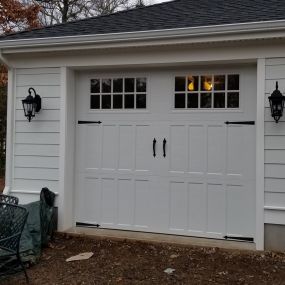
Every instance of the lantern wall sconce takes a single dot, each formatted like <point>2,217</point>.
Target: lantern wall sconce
<point>276,101</point>
<point>32,105</point>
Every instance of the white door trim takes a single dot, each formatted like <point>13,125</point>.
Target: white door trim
<point>10,130</point>
<point>260,154</point>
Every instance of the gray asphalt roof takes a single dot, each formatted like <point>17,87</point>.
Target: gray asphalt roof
<point>168,15</point>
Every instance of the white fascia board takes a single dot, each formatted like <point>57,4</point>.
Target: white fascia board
<point>225,31</point>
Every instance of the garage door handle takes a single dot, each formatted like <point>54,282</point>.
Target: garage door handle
<point>164,147</point>
<point>154,147</point>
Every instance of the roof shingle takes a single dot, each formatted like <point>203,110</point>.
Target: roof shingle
<point>168,15</point>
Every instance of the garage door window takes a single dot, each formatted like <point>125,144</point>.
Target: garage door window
<point>207,92</point>
<point>118,93</point>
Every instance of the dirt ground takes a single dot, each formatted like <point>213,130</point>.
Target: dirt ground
<point>132,262</point>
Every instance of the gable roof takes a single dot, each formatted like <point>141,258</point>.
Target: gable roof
<point>168,15</point>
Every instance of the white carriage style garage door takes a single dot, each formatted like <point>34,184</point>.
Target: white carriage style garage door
<point>163,159</point>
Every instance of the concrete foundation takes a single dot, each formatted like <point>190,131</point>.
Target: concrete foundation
<point>161,238</point>
<point>274,237</point>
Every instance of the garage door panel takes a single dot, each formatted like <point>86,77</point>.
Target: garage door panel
<point>178,148</point>
<point>197,207</point>
<point>178,206</point>
<point>109,202</point>
<point>143,148</point>
<point>110,147</point>
<point>216,149</point>
<point>197,149</point>
<point>126,202</point>
<point>126,147</point>
<point>216,209</point>
<point>240,206</point>
<point>143,216</point>
<point>93,149</point>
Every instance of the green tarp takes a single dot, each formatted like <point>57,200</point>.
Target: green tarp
<point>39,228</point>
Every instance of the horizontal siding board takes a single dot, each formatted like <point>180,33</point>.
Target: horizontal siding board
<point>274,217</point>
<point>271,128</point>
<point>38,150</point>
<point>275,72</point>
<point>32,71</point>
<point>275,199</point>
<point>275,61</point>
<point>37,126</point>
<point>274,142</point>
<point>47,104</point>
<point>44,91</point>
<point>36,161</point>
<point>37,138</point>
<point>43,115</point>
<point>36,173</point>
<point>37,80</point>
<point>275,156</point>
<point>35,184</point>
<point>274,185</point>
<point>274,171</point>
<point>270,85</point>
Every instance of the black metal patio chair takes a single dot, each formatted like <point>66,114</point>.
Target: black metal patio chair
<point>12,222</point>
<point>9,199</point>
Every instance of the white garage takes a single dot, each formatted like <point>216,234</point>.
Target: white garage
<point>163,159</point>
<point>155,120</point>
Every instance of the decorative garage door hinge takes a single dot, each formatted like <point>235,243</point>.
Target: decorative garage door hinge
<point>87,225</point>
<point>249,239</point>
<point>240,123</point>
<point>89,122</point>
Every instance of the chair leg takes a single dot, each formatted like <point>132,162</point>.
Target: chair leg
<point>23,267</point>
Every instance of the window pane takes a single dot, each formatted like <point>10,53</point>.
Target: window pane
<point>95,101</point>
<point>180,83</point>
<point>129,101</point>
<point>219,100</point>
<point>206,83</point>
<point>192,84</point>
<point>233,82</point>
<point>206,100</point>
<point>117,101</point>
<point>219,82</point>
<point>118,85</point>
<point>141,101</point>
<point>106,101</point>
<point>95,85</point>
<point>233,100</point>
<point>141,84</point>
<point>106,85</point>
<point>129,84</point>
<point>192,100</point>
<point>179,100</point>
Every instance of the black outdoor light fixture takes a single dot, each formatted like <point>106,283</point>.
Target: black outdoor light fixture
<point>32,104</point>
<point>276,101</point>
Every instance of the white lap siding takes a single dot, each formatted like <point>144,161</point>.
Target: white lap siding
<point>36,144</point>
<point>274,148</point>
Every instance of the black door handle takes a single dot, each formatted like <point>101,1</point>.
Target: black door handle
<point>164,146</point>
<point>154,147</point>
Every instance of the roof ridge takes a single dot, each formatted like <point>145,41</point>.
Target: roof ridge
<point>89,18</point>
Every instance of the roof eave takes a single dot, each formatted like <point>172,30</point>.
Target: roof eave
<point>243,31</point>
